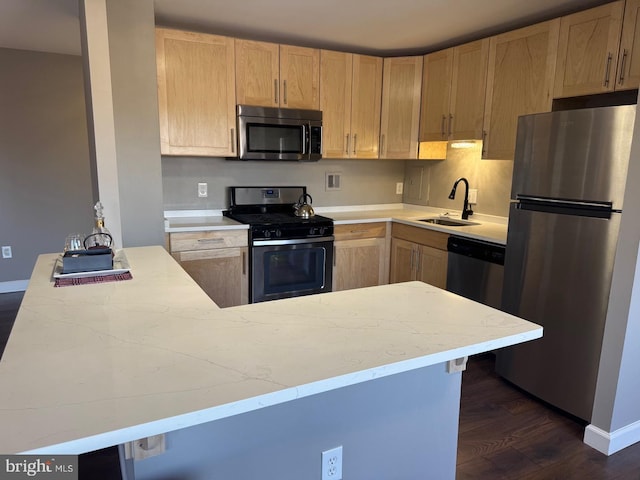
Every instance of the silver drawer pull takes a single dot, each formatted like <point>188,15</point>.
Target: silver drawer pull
<point>210,240</point>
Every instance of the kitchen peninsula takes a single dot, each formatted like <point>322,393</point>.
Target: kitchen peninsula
<point>91,366</point>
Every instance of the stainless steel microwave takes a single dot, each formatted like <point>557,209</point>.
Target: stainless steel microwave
<point>279,134</point>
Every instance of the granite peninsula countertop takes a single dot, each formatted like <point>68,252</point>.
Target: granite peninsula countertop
<point>90,366</point>
<point>491,228</point>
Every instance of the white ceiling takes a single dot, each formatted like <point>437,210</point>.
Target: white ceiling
<point>384,27</point>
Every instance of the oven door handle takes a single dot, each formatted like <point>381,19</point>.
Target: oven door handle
<point>297,241</point>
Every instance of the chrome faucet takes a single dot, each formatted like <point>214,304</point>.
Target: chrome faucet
<point>466,211</point>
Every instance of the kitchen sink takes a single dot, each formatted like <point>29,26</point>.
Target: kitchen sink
<point>449,222</point>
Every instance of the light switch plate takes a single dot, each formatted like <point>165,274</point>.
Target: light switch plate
<point>202,190</point>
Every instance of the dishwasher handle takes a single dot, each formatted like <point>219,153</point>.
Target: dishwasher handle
<point>486,251</point>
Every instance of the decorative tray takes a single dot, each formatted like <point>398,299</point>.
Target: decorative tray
<point>120,265</point>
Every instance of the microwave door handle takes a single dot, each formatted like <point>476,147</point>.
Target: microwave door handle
<point>306,139</point>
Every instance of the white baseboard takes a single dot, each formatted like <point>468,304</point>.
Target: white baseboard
<point>612,442</point>
<point>14,286</point>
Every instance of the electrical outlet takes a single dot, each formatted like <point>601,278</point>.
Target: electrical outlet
<point>332,181</point>
<point>473,196</point>
<point>202,190</point>
<point>332,464</point>
<point>399,188</point>
<point>6,252</point>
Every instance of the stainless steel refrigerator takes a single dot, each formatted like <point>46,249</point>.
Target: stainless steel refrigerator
<point>569,175</point>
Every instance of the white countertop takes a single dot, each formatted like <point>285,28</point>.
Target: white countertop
<point>90,366</point>
<point>490,228</point>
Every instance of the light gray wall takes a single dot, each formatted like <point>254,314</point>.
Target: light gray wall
<point>364,182</point>
<point>135,103</point>
<point>403,426</point>
<point>131,49</point>
<point>45,186</point>
<point>492,178</point>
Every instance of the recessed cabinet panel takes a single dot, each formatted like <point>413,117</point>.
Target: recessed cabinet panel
<point>336,74</point>
<point>628,77</point>
<point>257,73</point>
<point>366,98</point>
<point>196,93</point>
<point>519,82</point>
<point>588,51</point>
<point>400,117</point>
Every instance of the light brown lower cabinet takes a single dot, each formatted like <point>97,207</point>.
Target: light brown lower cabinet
<point>217,261</point>
<point>418,254</point>
<point>360,256</point>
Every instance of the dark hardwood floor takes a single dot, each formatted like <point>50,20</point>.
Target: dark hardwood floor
<point>505,434</point>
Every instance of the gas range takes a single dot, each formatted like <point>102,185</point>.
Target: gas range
<point>269,212</point>
<point>289,256</point>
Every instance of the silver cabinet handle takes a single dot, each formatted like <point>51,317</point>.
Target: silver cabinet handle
<point>210,240</point>
<point>484,143</point>
<point>244,262</point>
<point>284,94</point>
<point>346,150</point>
<point>233,140</point>
<point>450,126</point>
<point>382,151</point>
<point>275,90</point>
<point>607,71</point>
<point>355,139</point>
<point>444,119</point>
<point>622,66</point>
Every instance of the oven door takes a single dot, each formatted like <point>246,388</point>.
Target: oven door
<point>290,268</point>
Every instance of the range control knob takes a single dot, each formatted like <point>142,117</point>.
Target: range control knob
<point>322,230</point>
<point>267,234</point>
<point>278,233</point>
<point>312,231</point>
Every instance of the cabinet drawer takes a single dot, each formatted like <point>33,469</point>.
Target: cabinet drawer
<point>422,236</point>
<point>360,230</point>
<point>184,241</point>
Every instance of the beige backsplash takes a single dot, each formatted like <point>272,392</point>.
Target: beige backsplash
<point>492,178</point>
<point>364,182</point>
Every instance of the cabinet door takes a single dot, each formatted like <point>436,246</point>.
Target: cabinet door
<point>221,273</point>
<point>196,93</point>
<point>335,102</point>
<point>366,101</point>
<point>588,51</point>
<point>400,117</point>
<point>436,89</point>
<point>432,266</point>
<point>519,81</point>
<point>359,263</point>
<point>257,73</point>
<point>629,56</point>
<point>468,90</point>
<point>403,255</point>
<point>299,77</point>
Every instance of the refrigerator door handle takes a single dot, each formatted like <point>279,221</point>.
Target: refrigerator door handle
<point>568,207</point>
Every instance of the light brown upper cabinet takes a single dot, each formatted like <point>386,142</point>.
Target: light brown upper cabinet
<point>350,99</point>
<point>588,51</point>
<point>400,117</point>
<point>196,93</point>
<point>272,75</point>
<point>520,81</point>
<point>454,85</point>
<point>628,76</point>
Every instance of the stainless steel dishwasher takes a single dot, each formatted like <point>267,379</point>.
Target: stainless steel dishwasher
<point>475,270</point>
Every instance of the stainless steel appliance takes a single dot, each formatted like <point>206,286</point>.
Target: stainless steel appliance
<point>475,270</point>
<point>289,255</point>
<point>568,185</point>
<point>279,134</point>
